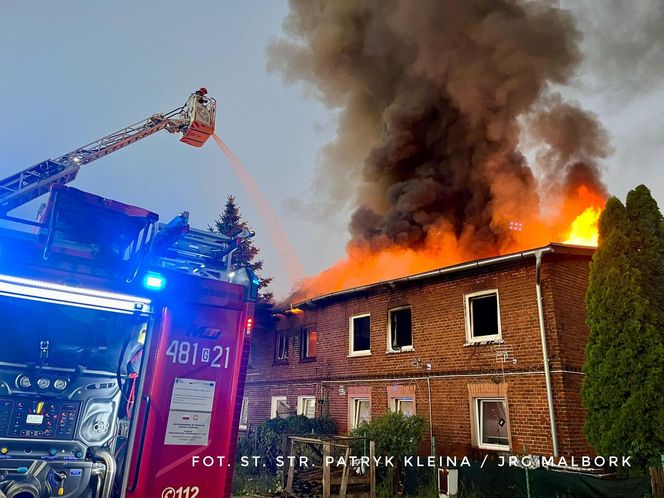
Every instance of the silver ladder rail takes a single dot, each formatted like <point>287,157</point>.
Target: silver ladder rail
<point>32,182</point>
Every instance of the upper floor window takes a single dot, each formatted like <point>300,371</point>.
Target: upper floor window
<point>360,335</point>
<point>281,346</point>
<point>400,329</point>
<point>491,423</point>
<point>308,343</point>
<point>482,316</point>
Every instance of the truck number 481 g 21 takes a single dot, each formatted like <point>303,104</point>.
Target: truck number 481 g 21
<point>191,353</point>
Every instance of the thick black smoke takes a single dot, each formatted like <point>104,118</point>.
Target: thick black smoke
<point>432,94</point>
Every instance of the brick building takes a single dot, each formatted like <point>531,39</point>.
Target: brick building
<point>462,346</point>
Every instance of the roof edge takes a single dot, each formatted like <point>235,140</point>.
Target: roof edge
<point>553,247</point>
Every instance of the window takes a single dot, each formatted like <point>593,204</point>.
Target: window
<point>360,335</point>
<point>306,405</point>
<point>492,427</point>
<point>308,343</point>
<point>244,414</point>
<point>405,406</point>
<point>360,411</point>
<point>482,316</point>
<point>400,330</point>
<point>279,407</point>
<point>281,346</point>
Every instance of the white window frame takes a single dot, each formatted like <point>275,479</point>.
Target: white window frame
<point>351,336</point>
<point>394,402</point>
<point>478,425</point>
<point>301,402</point>
<point>405,349</point>
<point>281,334</point>
<point>244,413</point>
<point>274,404</point>
<point>469,325</point>
<point>353,410</point>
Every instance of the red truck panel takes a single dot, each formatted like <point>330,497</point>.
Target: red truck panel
<point>190,407</point>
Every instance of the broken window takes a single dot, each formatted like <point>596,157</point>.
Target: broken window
<point>308,342</point>
<point>482,316</point>
<point>306,405</point>
<point>281,346</point>
<point>492,424</point>
<point>401,330</point>
<point>360,411</point>
<point>360,335</point>
<point>280,407</point>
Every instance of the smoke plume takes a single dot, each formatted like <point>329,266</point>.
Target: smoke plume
<point>433,96</point>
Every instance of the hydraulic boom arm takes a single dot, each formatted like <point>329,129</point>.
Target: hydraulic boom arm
<point>195,121</point>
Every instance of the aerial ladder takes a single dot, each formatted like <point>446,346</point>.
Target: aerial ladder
<point>194,121</point>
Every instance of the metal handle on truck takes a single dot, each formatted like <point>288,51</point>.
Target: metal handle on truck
<point>141,443</point>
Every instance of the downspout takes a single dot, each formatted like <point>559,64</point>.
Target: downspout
<point>545,354</point>
<point>433,441</point>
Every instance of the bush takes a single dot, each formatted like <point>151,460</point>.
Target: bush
<point>267,442</point>
<point>396,436</point>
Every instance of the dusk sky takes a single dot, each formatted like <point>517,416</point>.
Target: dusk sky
<point>73,71</point>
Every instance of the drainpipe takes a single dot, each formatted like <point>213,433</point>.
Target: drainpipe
<point>433,441</point>
<point>545,354</point>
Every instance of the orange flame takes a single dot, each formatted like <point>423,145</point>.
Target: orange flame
<point>584,230</point>
<point>575,222</point>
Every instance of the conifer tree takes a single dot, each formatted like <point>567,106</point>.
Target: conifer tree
<point>623,388</point>
<point>229,223</point>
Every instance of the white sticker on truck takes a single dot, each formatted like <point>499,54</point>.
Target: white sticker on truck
<point>188,428</point>
<point>190,412</point>
<point>193,395</point>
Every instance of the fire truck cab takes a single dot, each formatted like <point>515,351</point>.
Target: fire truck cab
<point>123,346</point>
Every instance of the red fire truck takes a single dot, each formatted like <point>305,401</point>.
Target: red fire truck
<point>123,341</point>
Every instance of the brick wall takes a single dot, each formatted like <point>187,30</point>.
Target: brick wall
<point>514,365</point>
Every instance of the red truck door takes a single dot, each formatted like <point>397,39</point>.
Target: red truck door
<point>186,428</point>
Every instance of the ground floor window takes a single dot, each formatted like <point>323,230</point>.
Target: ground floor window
<point>244,414</point>
<point>492,426</point>
<point>405,406</point>
<point>279,407</point>
<point>306,405</point>
<point>360,411</point>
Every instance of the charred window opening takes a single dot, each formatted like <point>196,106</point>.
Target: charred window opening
<point>483,316</point>
<point>308,343</point>
<point>360,334</point>
<point>401,329</point>
<point>281,346</point>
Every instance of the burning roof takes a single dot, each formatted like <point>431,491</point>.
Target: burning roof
<point>570,249</point>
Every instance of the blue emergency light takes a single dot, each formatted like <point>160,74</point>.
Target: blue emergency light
<point>154,281</point>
